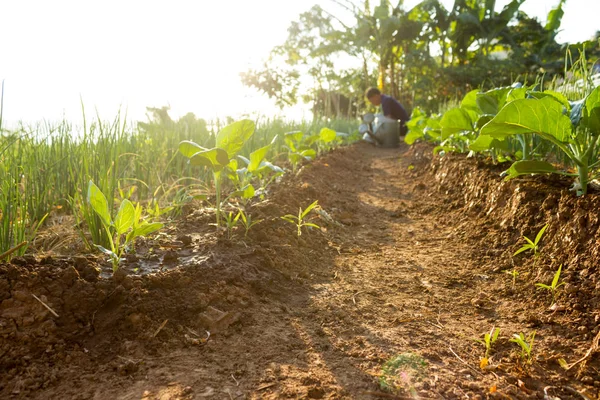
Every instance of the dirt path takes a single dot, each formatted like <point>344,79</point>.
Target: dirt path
<point>393,280</point>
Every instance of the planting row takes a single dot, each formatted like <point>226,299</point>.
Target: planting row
<point>538,131</point>
<point>120,184</point>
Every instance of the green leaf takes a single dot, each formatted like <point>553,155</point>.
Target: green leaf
<point>522,249</point>
<point>412,136</point>
<point>309,208</point>
<point>495,334</point>
<point>493,100</point>
<point>556,277</point>
<point>145,229</point>
<point>257,156</point>
<point>544,117</point>
<point>327,135</point>
<point>540,234</point>
<point>455,121</point>
<point>484,143</point>
<point>215,159</point>
<point>308,154</point>
<point>541,285</point>
<point>233,136</point>
<point>189,148</point>
<point>527,167</point>
<point>469,102</point>
<point>563,363</point>
<point>591,113</point>
<point>97,200</point>
<point>125,217</point>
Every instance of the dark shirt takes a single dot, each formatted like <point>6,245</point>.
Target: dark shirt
<point>392,108</point>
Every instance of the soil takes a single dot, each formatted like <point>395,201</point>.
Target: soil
<point>386,300</point>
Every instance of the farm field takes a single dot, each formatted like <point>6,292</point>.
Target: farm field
<point>386,300</point>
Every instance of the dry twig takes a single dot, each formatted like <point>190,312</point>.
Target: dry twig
<point>45,305</point>
<point>160,328</point>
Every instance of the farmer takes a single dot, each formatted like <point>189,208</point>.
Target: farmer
<point>391,107</point>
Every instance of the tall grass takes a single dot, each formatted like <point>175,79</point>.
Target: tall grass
<point>47,166</point>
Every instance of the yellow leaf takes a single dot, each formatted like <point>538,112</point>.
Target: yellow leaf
<point>493,389</point>
<point>563,363</point>
<point>483,362</point>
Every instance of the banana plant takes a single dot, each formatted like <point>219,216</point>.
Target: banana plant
<point>229,142</point>
<point>574,131</point>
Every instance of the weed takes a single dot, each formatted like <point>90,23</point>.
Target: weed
<point>526,345</point>
<point>532,245</point>
<point>553,287</point>
<point>299,221</point>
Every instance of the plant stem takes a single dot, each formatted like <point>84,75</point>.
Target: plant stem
<point>217,178</point>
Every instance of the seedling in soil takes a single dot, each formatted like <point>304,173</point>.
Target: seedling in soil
<point>247,222</point>
<point>231,222</point>
<point>553,287</point>
<point>128,223</point>
<point>514,273</point>
<point>526,345</point>
<point>488,341</point>
<point>532,245</point>
<point>299,220</point>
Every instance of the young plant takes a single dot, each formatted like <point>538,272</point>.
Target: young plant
<point>231,222</point>
<point>229,142</point>
<point>514,273</point>
<point>553,287</point>
<point>532,245</point>
<point>299,148</point>
<point>488,341</point>
<point>526,345</point>
<point>573,129</point>
<point>126,226</point>
<point>247,222</point>
<point>299,221</point>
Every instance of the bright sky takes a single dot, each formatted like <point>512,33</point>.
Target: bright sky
<point>138,53</point>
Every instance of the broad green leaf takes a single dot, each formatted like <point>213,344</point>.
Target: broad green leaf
<point>216,159</point>
<point>247,192</point>
<point>485,143</point>
<point>555,95</point>
<point>309,208</point>
<point>484,119</point>
<point>455,121</point>
<point>469,102</point>
<point>98,202</point>
<point>267,166</point>
<point>189,148</point>
<point>327,135</point>
<point>527,167</point>
<point>544,117</point>
<point>516,94</point>
<point>125,217</point>
<point>257,156</point>
<point>492,101</point>
<point>233,136</point>
<point>309,154</point>
<point>145,229</point>
<point>106,251</point>
<point>412,136</point>
<point>591,114</point>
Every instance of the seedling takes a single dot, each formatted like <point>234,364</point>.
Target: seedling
<point>247,222</point>
<point>231,222</point>
<point>401,372</point>
<point>514,273</point>
<point>488,341</point>
<point>526,345</point>
<point>553,288</point>
<point>128,223</point>
<point>532,245</point>
<point>299,220</point>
